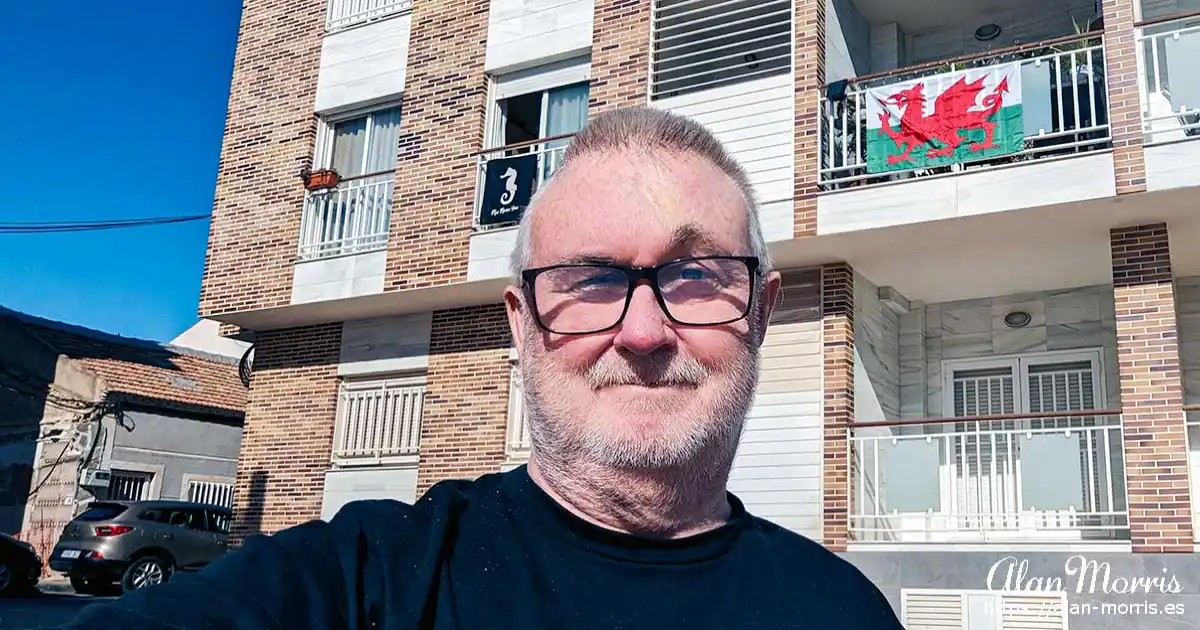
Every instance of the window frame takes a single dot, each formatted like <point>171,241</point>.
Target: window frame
<point>326,135</point>
<point>379,382</point>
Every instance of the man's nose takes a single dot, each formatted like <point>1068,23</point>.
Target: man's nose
<point>645,328</point>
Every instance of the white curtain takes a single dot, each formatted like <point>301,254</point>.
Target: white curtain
<point>385,133</point>
<point>566,112</point>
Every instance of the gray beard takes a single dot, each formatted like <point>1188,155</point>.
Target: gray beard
<point>562,435</point>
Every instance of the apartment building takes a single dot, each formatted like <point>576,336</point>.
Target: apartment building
<point>987,350</point>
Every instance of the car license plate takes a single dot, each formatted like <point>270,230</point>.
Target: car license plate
<point>70,553</point>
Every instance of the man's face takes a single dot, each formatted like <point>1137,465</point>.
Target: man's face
<point>648,393</point>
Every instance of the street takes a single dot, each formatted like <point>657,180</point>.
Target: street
<point>46,609</point>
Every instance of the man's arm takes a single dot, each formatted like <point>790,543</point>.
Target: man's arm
<point>318,575</point>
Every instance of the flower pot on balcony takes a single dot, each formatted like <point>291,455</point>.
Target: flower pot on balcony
<point>321,180</point>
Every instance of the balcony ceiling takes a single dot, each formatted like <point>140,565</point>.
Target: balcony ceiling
<point>917,16</point>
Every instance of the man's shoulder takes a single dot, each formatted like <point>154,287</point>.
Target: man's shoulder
<point>795,552</point>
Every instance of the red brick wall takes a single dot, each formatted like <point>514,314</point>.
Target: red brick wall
<point>810,83</point>
<point>288,434</point>
<point>1156,467</point>
<point>1123,98</point>
<point>442,123</point>
<point>620,55</point>
<point>837,324</point>
<point>464,429</point>
<point>270,132</point>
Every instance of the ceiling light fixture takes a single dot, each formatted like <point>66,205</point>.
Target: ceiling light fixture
<point>987,32</point>
<point>1017,319</point>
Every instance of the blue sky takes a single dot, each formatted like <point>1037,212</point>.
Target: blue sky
<point>111,110</point>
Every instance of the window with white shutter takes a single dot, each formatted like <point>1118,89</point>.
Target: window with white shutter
<point>946,609</point>
<point>704,44</point>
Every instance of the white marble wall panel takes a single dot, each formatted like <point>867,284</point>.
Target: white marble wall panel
<point>385,344</point>
<point>877,351</point>
<point>337,278</point>
<point>982,191</point>
<point>1068,319</point>
<point>363,65</point>
<point>1172,165</point>
<point>524,33</point>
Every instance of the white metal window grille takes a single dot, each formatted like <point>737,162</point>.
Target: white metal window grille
<point>518,421</point>
<point>342,14</point>
<point>379,421</point>
<point>126,485</point>
<point>703,44</point>
<point>211,493</point>
<point>942,609</point>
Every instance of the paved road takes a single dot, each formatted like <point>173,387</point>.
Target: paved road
<point>44,610</point>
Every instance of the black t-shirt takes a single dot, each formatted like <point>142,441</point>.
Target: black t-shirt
<point>498,553</point>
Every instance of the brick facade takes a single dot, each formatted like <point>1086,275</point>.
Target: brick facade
<point>464,429</point>
<point>1156,465</point>
<point>443,115</point>
<point>270,133</point>
<point>620,55</point>
<point>1124,100</point>
<point>837,336</point>
<point>288,435</point>
<point>809,63</point>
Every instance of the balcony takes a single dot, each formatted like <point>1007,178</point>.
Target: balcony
<point>1170,85</point>
<point>378,422</point>
<point>343,14</point>
<point>352,218</point>
<point>1012,478</point>
<point>1060,87</point>
<point>509,177</point>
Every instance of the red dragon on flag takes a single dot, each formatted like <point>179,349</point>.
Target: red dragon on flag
<point>959,127</point>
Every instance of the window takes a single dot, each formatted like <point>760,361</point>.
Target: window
<point>354,216</point>
<point>704,44</point>
<point>101,512</point>
<point>379,421</point>
<point>127,485</point>
<point>518,423</point>
<point>218,521</point>
<point>945,608</point>
<point>210,492</point>
<point>534,114</point>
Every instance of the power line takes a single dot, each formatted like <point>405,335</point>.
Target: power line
<point>48,227</point>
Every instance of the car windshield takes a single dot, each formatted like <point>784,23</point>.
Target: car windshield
<point>101,512</point>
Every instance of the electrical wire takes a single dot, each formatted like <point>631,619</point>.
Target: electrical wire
<point>48,227</point>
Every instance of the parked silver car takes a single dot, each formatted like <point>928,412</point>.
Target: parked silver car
<point>139,543</point>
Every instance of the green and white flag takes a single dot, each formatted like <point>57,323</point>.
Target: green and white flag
<point>945,119</point>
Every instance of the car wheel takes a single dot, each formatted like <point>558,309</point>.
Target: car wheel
<point>8,580</point>
<point>144,572</point>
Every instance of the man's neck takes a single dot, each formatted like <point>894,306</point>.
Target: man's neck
<point>666,504</point>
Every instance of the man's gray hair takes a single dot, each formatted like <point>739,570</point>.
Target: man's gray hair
<point>651,129</point>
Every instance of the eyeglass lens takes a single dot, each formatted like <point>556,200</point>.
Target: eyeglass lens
<point>588,298</point>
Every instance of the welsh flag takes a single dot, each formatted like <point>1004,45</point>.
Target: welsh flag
<point>945,119</point>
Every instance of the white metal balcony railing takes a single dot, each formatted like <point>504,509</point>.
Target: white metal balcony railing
<point>378,422</point>
<point>1064,102</point>
<point>1170,85</point>
<point>341,14</point>
<point>984,479</point>
<point>349,219</point>
<point>548,153</point>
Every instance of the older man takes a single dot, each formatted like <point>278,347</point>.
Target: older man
<point>642,290</point>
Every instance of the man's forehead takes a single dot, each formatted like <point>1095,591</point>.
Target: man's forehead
<point>634,201</point>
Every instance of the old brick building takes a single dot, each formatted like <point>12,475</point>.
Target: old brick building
<point>982,350</point>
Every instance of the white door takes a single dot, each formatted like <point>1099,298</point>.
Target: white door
<point>995,472</point>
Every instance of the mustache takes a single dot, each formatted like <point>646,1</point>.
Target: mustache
<point>655,370</point>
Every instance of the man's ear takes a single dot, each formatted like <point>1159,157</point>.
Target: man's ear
<point>514,302</point>
<point>772,287</point>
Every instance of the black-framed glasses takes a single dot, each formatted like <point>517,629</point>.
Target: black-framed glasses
<point>584,298</point>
